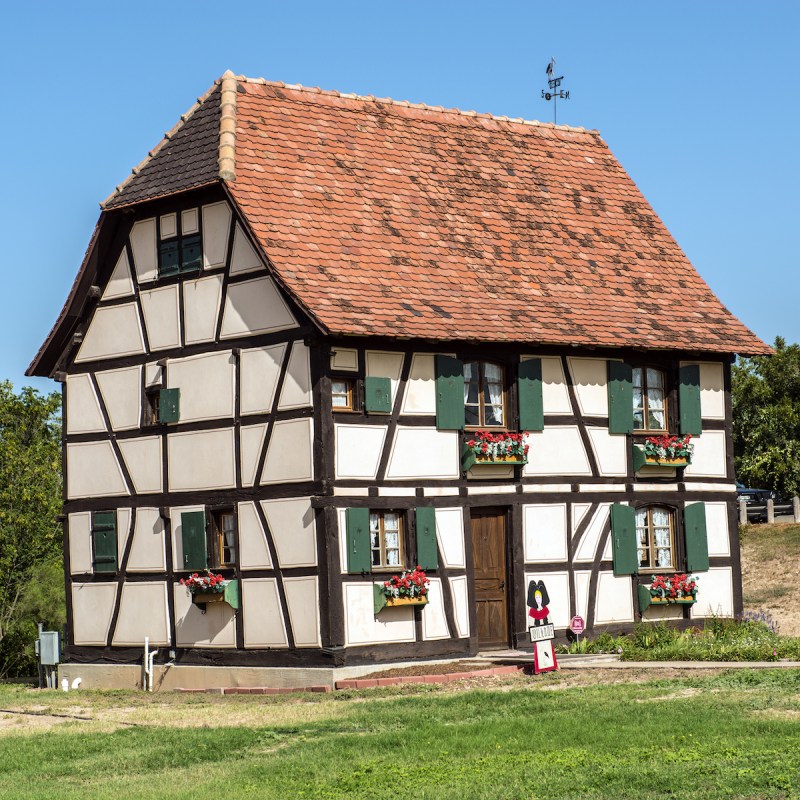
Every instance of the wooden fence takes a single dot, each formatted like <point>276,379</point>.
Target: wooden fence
<point>766,512</point>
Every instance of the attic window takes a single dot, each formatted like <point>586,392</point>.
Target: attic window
<point>178,254</point>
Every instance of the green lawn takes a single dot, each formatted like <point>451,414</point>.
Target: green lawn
<point>735,734</point>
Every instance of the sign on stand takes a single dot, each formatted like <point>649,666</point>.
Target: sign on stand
<point>542,631</point>
<point>577,625</point>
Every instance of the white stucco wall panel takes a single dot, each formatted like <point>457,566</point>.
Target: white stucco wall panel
<point>216,229</point>
<point>610,451</point>
<point>120,283</point>
<point>80,543</point>
<point>259,369</point>
<point>291,523</point>
<point>358,450</point>
<point>92,609</point>
<point>289,452</point>
<point>588,544</point>
<point>253,549</point>
<point>244,257</point>
<point>296,390</point>
<point>201,304</point>
<point>460,594</point>
<point>190,221</point>
<point>122,394</point>
<point>420,394</point>
<point>263,617</point>
<point>114,332</point>
<point>710,457</point>
<point>582,580</point>
<point>557,450</point>
<point>614,599</point>
<point>363,626</point>
<point>717,529</point>
<point>302,600</point>
<point>168,226</point>
<point>93,471</point>
<point>712,389</point>
<point>434,620</point>
<point>450,536</point>
<point>207,383</point>
<point>555,395</point>
<point>255,307</point>
<point>148,553</point>
<point>251,442</point>
<point>83,407</point>
<point>143,612</point>
<point>193,628</point>
<point>201,460</point>
<point>143,246</point>
<point>344,359</point>
<point>590,377</point>
<point>144,463</point>
<point>714,593</point>
<point>423,453</point>
<point>161,310</point>
<point>123,531</point>
<point>545,532</point>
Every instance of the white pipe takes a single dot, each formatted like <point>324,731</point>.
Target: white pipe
<point>153,654</point>
<point>145,680</point>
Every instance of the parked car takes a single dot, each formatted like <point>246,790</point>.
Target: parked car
<point>756,497</point>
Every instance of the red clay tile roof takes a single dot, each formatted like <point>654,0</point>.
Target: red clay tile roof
<point>389,219</point>
<point>408,221</point>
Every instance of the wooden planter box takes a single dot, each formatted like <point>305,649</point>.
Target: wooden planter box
<point>641,460</point>
<point>229,595</point>
<point>381,601</point>
<point>470,459</point>
<point>646,600</point>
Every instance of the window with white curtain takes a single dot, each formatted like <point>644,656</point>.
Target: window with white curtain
<point>655,538</point>
<point>484,395</point>
<point>386,540</point>
<point>649,399</point>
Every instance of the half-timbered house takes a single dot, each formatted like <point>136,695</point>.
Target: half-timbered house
<point>292,319</point>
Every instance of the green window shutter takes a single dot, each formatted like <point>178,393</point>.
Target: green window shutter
<point>169,405</point>
<point>191,253</point>
<point>168,263</point>
<point>623,538</point>
<point>427,550</point>
<point>689,399</point>
<point>694,524</point>
<point>193,537</point>
<point>104,533</point>
<point>620,397</point>
<point>359,554</point>
<point>639,457</point>
<point>378,395</point>
<point>531,407</point>
<point>449,393</point>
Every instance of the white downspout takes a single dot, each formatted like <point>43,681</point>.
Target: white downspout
<point>153,654</point>
<point>145,680</point>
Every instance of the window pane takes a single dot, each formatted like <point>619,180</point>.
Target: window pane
<point>471,392</point>
<point>373,522</point>
<point>470,370</point>
<point>655,399</point>
<point>493,373</point>
<point>638,398</point>
<point>641,517</point>
<point>664,557</point>
<point>661,518</point>
<point>637,376</point>
<point>655,379</point>
<point>393,558</point>
<point>655,421</point>
<point>471,415</point>
<point>494,415</point>
<point>638,420</point>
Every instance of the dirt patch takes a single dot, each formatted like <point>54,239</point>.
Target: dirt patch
<point>423,668</point>
<point>770,564</point>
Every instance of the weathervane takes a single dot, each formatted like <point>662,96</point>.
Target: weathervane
<point>554,93</point>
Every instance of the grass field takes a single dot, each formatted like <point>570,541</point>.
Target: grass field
<point>728,734</point>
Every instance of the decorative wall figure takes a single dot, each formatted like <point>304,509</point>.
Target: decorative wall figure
<point>542,631</point>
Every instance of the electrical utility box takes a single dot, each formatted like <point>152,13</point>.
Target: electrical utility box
<point>49,650</point>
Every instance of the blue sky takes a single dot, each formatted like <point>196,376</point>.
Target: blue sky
<point>699,101</point>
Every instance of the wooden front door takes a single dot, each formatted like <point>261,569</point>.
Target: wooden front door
<point>491,579</point>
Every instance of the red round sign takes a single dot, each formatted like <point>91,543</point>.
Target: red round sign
<point>577,625</point>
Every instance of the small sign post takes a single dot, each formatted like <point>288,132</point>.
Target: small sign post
<point>577,626</point>
<point>542,631</point>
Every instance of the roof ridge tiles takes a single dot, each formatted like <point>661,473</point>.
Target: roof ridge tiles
<point>298,87</point>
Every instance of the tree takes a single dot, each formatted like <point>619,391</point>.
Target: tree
<point>766,419</point>
<point>30,502</point>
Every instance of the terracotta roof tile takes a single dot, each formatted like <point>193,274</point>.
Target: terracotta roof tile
<point>402,220</point>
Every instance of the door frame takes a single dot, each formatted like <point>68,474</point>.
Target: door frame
<point>505,512</point>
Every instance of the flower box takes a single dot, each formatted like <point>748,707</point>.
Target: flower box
<point>663,451</point>
<point>410,588</point>
<point>211,588</point>
<point>391,602</point>
<point>663,591</point>
<point>485,447</point>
